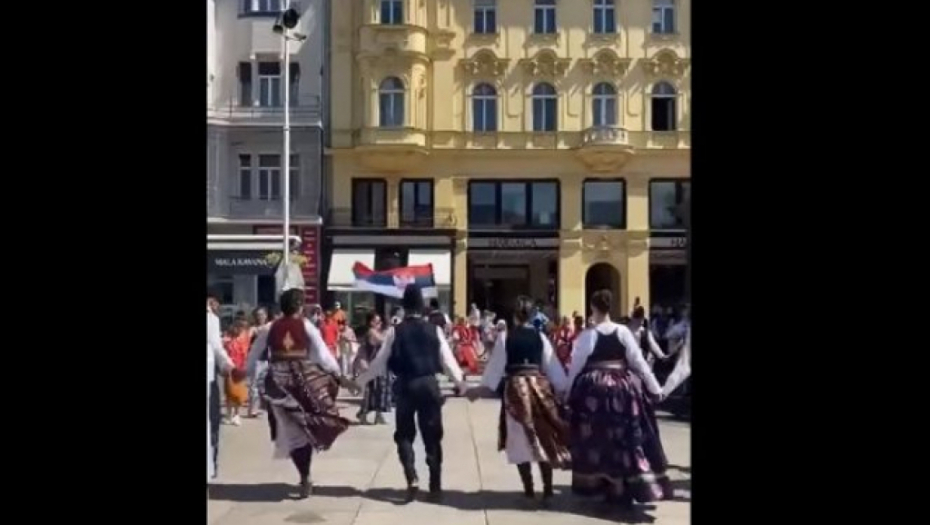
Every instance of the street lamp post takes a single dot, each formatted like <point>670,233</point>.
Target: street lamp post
<point>284,25</point>
<point>287,152</point>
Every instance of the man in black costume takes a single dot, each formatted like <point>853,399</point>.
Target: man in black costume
<point>415,351</point>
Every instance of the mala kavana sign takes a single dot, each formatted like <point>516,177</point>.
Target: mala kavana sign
<point>240,262</point>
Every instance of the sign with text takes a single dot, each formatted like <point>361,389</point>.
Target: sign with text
<point>244,262</point>
<point>310,249</point>
<point>668,243</point>
<point>512,243</point>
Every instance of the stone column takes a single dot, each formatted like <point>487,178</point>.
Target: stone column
<point>637,273</point>
<point>460,278</point>
<point>571,277</point>
<point>637,202</point>
<point>393,203</point>
<point>459,205</point>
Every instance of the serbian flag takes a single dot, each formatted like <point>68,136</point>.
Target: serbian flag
<point>393,282</point>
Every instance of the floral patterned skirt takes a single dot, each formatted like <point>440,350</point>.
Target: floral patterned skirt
<point>615,445</point>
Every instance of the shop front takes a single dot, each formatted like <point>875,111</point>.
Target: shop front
<point>502,266</point>
<point>384,251</point>
<point>243,276</point>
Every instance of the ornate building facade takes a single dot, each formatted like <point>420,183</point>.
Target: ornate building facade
<point>539,147</point>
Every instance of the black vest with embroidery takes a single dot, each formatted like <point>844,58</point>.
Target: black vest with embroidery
<point>415,350</point>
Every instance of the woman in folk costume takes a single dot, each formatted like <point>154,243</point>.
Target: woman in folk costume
<point>300,387</point>
<point>464,346</point>
<point>639,325</point>
<point>378,395</point>
<point>563,342</point>
<point>531,429</point>
<point>616,451</point>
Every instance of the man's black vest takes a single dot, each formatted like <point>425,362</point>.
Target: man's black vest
<point>415,351</point>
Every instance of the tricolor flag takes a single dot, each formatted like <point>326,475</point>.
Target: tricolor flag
<point>393,282</point>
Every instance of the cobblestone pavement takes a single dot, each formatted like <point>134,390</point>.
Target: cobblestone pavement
<point>359,481</point>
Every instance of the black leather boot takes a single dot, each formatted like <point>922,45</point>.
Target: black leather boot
<point>545,471</point>
<point>435,484</point>
<point>526,476</point>
<point>413,488</point>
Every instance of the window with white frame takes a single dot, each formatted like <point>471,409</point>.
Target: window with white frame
<point>267,184</point>
<point>245,177</point>
<point>544,17</point>
<point>262,7</point>
<point>484,108</point>
<point>604,102</point>
<point>485,16</point>
<point>269,85</point>
<point>663,17</point>
<point>392,12</point>
<point>605,18</point>
<point>269,177</point>
<point>391,103</point>
<point>545,106</point>
<point>663,105</point>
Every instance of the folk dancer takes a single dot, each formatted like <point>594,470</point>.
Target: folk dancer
<point>639,325</point>
<point>616,451</point>
<point>415,351</point>
<point>531,429</point>
<point>300,387</point>
<point>218,362</point>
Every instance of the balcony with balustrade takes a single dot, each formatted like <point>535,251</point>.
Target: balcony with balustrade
<point>605,148</point>
<point>306,111</point>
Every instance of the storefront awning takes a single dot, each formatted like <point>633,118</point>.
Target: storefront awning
<point>341,278</point>
<point>441,261</point>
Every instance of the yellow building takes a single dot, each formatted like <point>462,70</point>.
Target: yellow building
<point>520,146</point>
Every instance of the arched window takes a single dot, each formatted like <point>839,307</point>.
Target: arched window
<point>392,12</point>
<point>663,17</point>
<point>391,102</point>
<point>664,114</point>
<point>545,106</point>
<point>605,20</point>
<point>604,105</point>
<point>484,107</point>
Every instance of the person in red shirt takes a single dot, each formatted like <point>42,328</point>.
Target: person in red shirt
<point>237,347</point>
<point>463,338</point>
<point>330,329</point>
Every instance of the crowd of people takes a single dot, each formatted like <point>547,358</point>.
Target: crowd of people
<point>576,396</point>
<point>660,336</point>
